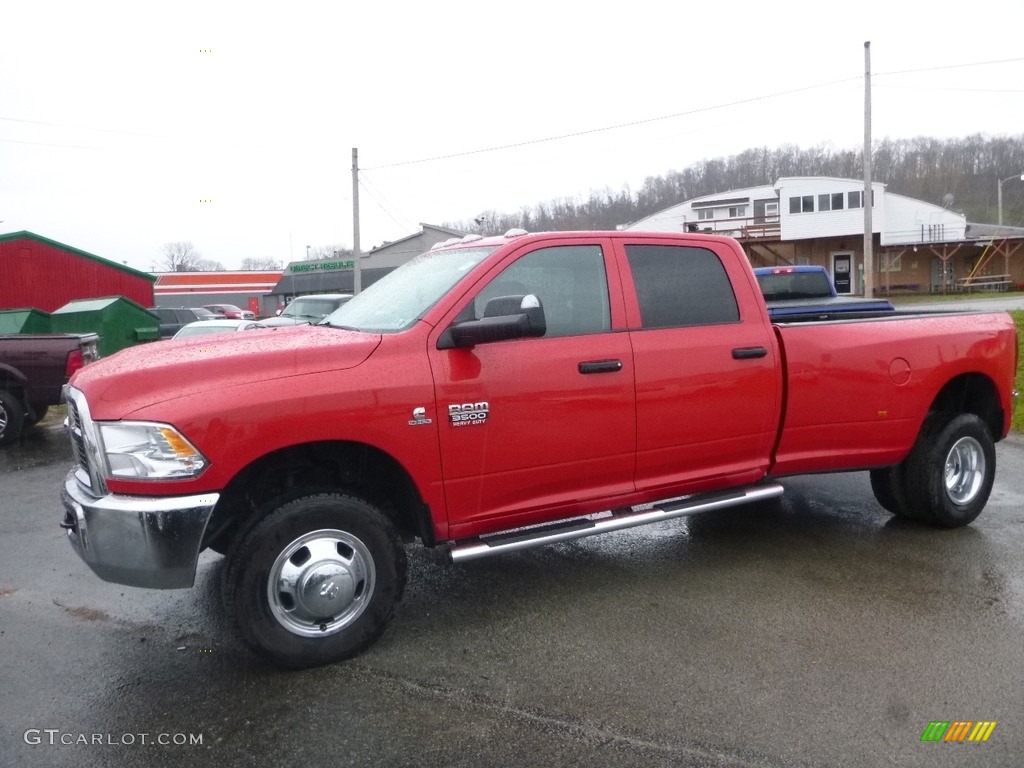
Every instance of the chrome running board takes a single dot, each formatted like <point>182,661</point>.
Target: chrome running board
<point>617,520</point>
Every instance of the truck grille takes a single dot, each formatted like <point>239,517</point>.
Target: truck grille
<point>77,438</point>
<point>82,433</point>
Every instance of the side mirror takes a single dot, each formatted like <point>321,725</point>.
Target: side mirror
<point>505,317</point>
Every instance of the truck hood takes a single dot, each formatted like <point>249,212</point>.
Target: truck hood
<point>148,374</point>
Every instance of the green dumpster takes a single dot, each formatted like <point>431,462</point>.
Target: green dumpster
<point>26,320</point>
<point>119,321</point>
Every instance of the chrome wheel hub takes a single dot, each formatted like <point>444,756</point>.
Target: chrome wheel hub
<point>965,470</point>
<point>321,582</point>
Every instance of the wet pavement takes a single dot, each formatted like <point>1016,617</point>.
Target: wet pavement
<point>818,632</point>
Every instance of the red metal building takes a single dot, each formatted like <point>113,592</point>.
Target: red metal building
<point>44,274</point>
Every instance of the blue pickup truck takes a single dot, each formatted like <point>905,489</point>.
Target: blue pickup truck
<point>808,291</point>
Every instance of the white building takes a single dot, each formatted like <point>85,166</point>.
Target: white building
<point>820,220</point>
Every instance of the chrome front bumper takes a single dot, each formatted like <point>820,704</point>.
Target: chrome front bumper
<point>140,541</point>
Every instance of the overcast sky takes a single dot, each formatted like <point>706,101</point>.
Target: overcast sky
<point>125,126</point>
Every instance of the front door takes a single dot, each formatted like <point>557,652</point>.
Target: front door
<point>943,275</point>
<point>842,272</point>
<point>535,427</point>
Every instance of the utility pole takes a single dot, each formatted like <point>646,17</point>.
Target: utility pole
<point>357,274</point>
<point>869,262</point>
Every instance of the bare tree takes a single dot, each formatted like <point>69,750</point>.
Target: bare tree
<point>260,263</point>
<point>180,256</point>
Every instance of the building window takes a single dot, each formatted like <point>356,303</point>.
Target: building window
<point>771,211</point>
<point>856,199</point>
<point>737,211</point>
<point>890,262</point>
<point>830,202</point>
<point>803,204</point>
<point>802,261</point>
<point>705,214</point>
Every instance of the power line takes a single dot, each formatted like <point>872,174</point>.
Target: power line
<point>604,129</point>
<point>607,128</point>
<point>363,179</point>
<point>950,66</point>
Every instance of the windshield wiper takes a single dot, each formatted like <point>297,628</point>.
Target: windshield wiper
<point>341,327</point>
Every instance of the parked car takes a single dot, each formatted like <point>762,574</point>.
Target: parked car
<point>204,327</point>
<point>806,290</point>
<point>308,309</point>
<point>173,319</point>
<point>231,312</point>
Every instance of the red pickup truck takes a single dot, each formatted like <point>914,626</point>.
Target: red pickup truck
<point>503,392</point>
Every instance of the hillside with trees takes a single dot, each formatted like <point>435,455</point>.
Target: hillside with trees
<point>961,174</point>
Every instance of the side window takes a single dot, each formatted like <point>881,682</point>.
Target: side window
<point>166,315</point>
<point>570,282</point>
<point>681,286</point>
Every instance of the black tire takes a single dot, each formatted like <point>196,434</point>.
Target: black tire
<point>12,418</point>
<point>315,581</point>
<point>950,472</point>
<point>887,485</point>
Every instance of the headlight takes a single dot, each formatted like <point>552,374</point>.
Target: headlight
<point>145,450</point>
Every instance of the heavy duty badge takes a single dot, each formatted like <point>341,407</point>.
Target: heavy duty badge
<point>466,414</point>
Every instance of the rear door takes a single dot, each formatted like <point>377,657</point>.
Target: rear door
<point>535,427</point>
<point>707,367</point>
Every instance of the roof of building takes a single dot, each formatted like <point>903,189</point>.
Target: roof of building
<point>444,230</point>
<point>26,235</point>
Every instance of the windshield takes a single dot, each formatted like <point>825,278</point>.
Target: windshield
<point>402,297</point>
<point>311,309</point>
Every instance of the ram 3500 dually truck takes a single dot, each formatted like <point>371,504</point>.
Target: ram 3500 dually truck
<point>498,393</point>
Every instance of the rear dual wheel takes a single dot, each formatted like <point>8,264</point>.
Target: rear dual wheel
<point>948,476</point>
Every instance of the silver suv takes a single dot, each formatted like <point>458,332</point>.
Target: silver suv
<point>308,310</point>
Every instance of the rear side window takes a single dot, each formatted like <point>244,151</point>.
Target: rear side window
<point>680,286</point>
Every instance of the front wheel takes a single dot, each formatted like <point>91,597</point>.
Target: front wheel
<point>949,475</point>
<point>317,580</point>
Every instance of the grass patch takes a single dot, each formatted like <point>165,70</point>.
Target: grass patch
<point>54,416</point>
<point>1018,413</point>
<point>934,298</point>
